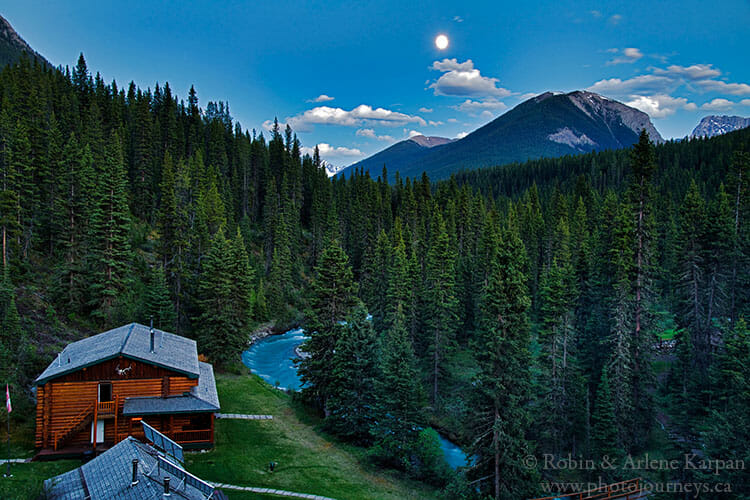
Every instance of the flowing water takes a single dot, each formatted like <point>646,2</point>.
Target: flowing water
<point>271,359</point>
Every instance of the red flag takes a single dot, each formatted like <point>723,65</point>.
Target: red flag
<point>7,399</point>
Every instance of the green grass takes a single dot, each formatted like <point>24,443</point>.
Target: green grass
<point>308,461</point>
<point>27,479</point>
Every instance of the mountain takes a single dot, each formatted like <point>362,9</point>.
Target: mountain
<point>548,125</point>
<point>12,45</point>
<point>402,154</point>
<point>713,125</point>
<point>331,169</point>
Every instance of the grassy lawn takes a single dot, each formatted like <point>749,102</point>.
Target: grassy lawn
<point>27,479</point>
<point>308,462</point>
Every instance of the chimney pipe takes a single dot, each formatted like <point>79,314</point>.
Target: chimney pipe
<point>166,487</point>
<point>135,472</point>
<point>151,331</point>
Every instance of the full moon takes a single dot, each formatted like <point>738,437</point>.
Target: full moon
<point>441,42</point>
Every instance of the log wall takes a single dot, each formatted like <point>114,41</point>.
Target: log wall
<point>61,400</point>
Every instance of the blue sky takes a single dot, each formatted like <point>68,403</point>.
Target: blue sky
<point>358,76</point>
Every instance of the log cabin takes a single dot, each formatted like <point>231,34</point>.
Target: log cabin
<point>97,390</point>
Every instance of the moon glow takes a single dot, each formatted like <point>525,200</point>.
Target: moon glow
<point>441,42</point>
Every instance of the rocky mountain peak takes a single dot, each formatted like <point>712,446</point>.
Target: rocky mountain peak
<point>714,125</point>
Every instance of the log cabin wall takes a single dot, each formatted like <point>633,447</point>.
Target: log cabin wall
<point>62,399</point>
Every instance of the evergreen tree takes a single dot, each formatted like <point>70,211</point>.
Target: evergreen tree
<point>604,434</point>
<point>333,295</point>
<point>440,304</point>
<point>157,302</point>
<point>109,252</point>
<point>400,398</point>
<point>355,372</point>
<point>502,388</point>
<point>224,300</point>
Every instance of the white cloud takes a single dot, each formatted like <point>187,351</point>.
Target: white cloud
<point>596,13</point>
<point>718,104</point>
<point>659,106</point>
<point>483,107</point>
<point>432,123</point>
<point>327,151</point>
<point>458,19</point>
<point>486,114</point>
<point>461,135</point>
<point>370,133</point>
<point>691,106</point>
<point>694,72</point>
<point>724,87</point>
<point>745,102</point>
<point>425,110</point>
<point>629,56</point>
<point>414,133</point>
<point>462,79</point>
<point>321,98</point>
<point>361,115</point>
<point>642,84</point>
<point>615,19</point>
<point>452,120</point>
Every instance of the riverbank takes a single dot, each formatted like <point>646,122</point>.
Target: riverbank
<point>307,460</point>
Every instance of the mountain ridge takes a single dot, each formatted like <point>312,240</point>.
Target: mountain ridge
<point>714,125</point>
<point>12,45</point>
<point>548,125</point>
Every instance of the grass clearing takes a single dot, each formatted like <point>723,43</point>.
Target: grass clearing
<point>307,461</point>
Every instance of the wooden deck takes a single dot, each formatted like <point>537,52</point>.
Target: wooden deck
<point>83,452</point>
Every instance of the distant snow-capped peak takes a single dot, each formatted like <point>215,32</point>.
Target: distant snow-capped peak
<point>331,169</point>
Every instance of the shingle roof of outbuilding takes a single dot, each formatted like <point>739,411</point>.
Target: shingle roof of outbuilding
<point>201,398</point>
<point>131,341</point>
<point>109,476</point>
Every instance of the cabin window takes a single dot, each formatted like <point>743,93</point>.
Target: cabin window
<point>105,392</point>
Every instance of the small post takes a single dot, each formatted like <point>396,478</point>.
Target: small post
<point>166,487</point>
<point>7,408</point>
<point>151,332</point>
<point>135,472</point>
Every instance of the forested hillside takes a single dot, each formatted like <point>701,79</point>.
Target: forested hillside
<point>557,306</point>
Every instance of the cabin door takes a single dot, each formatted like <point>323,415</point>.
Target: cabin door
<point>98,428</point>
<point>105,392</point>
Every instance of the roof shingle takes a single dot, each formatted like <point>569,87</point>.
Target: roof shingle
<point>109,476</point>
<point>132,341</point>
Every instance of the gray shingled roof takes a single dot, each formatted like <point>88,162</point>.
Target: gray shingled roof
<point>202,398</point>
<point>131,341</point>
<point>108,477</point>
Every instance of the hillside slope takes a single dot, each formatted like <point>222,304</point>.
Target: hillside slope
<point>12,45</point>
<point>402,154</point>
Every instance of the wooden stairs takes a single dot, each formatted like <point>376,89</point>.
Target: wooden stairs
<point>74,425</point>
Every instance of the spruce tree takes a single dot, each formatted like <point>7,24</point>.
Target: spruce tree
<point>400,398</point>
<point>224,300</point>
<point>502,385</point>
<point>109,245</point>
<point>355,372</point>
<point>333,295</point>
<point>440,305</point>
<point>158,305</point>
<point>604,425</point>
